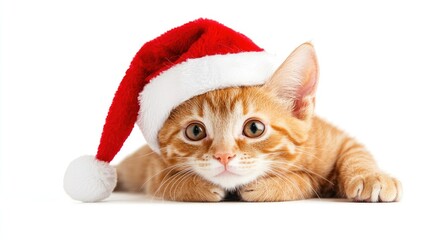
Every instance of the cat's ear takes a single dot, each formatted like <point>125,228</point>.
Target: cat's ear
<point>295,81</point>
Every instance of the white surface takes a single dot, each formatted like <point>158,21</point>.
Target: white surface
<point>61,60</point>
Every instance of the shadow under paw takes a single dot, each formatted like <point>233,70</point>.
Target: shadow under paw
<point>232,196</point>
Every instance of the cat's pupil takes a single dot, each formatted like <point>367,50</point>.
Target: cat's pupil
<point>196,130</point>
<point>253,128</point>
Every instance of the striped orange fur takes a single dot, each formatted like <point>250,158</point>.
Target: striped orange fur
<point>297,156</point>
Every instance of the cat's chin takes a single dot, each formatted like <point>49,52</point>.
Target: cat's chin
<point>230,181</point>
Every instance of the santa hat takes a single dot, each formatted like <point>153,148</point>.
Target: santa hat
<point>187,61</point>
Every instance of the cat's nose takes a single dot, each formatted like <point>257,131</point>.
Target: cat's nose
<point>224,158</point>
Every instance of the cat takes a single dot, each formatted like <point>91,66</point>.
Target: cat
<point>262,142</point>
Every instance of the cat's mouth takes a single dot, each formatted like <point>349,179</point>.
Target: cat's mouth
<point>226,173</point>
<point>230,177</point>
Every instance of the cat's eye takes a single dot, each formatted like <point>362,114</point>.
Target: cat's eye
<point>195,131</point>
<point>253,128</point>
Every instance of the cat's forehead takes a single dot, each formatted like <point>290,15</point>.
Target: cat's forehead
<point>225,105</point>
<point>228,102</point>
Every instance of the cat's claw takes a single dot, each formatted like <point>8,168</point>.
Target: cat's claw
<point>377,187</point>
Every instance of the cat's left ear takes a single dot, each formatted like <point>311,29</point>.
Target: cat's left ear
<point>295,81</point>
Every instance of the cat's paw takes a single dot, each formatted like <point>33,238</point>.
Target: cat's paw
<point>190,189</point>
<point>251,193</point>
<point>206,193</point>
<point>260,191</point>
<point>377,187</point>
<point>216,194</point>
<point>274,189</point>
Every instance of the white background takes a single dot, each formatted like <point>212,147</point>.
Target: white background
<point>61,62</point>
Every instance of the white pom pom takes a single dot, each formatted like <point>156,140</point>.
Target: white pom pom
<point>89,180</point>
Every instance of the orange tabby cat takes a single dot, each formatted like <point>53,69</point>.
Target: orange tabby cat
<point>263,142</point>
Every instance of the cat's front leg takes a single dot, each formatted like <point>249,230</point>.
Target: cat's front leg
<point>279,187</point>
<point>360,179</point>
<point>187,187</point>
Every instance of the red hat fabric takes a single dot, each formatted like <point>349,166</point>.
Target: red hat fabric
<point>187,61</point>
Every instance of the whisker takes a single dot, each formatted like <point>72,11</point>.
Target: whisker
<point>181,182</point>
<point>167,180</point>
<point>307,182</point>
<point>179,175</point>
<point>160,172</point>
<point>280,185</point>
<point>283,177</point>
<point>175,181</point>
<point>301,167</point>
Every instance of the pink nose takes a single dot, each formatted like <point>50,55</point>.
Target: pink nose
<point>224,158</point>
